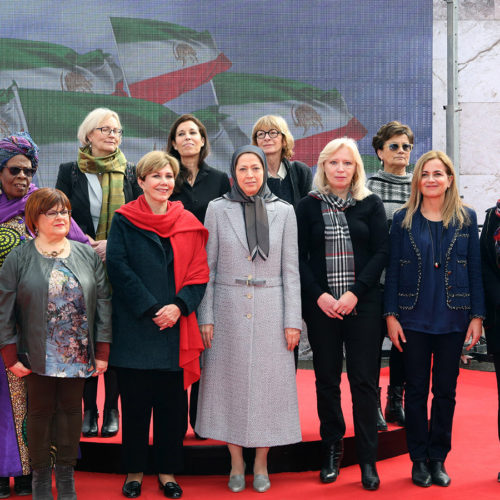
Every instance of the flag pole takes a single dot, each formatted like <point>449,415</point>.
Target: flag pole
<point>19,105</point>
<point>125,86</point>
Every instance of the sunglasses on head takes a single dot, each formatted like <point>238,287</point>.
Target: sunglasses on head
<point>28,172</point>
<point>394,146</point>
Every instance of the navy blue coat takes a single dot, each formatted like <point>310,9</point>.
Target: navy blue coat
<point>462,267</point>
<point>142,276</point>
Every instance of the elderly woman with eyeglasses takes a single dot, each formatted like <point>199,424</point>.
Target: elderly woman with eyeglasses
<point>392,143</point>
<point>97,184</point>
<point>288,180</point>
<point>18,165</point>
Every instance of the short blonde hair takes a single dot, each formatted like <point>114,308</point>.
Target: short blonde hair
<point>92,121</point>
<point>154,161</point>
<point>358,188</point>
<point>453,208</point>
<point>274,121</point>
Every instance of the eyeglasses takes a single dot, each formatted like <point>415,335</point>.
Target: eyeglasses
<point>28,172</point>
<point>108,130</point>
<point>273,133</point>
<point>52,214</point>
<point>394,146</point>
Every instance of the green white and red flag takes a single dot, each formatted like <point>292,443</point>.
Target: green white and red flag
<point>53,119</point>
<point>49,66</point>
<point>161,60</point>
<point>314,116</point>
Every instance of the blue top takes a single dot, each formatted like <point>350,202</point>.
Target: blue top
<point>430,314</point>
<point>411,286</point>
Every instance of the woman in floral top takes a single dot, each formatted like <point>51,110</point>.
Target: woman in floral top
<point>55,330</point>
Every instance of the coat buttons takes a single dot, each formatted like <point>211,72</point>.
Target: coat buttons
<point>249,316</point>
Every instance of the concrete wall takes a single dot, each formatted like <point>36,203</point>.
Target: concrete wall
<point>479,97</point>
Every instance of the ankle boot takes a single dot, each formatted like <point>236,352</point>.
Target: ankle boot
<point>42,484</point>
<point>110,423</point>
<point>369,476</point>
<point>89,425</point>
<point>4,487</point>
<point>394,411</point>
<point>22,485</point>
<point>331,462</point>
<point>65,482</point>
<point>381,424</point>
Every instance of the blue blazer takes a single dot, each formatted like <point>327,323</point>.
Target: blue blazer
<point>462,266</point>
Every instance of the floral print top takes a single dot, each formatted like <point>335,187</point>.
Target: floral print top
<point>67,353</point>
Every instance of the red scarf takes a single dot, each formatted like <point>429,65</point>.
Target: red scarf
<point>188,238</point>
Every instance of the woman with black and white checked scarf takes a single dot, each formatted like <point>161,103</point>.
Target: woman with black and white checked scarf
<point>343,248</point>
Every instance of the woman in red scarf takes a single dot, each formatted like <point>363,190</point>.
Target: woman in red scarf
<point>157,266</point>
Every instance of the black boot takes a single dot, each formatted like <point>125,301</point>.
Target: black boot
<point>110,423</point>
<point>394,411</point>
<point>89,426</point>
<point>420,474</point>
<point>4,487</point>
<point>331,462</point>
<point>369,476</point>
<point>65,482</point>
<point>381,424</point>
<point>22,485</point>
<point>438,473</point>
<point>42,484</point>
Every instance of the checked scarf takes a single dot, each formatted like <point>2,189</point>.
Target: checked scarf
<point>338,245</point>
<point>112,168</point>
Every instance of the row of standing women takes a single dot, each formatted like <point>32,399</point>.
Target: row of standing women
<point>343,247</point>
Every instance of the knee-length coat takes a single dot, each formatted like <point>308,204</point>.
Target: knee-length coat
<point>248,394</point>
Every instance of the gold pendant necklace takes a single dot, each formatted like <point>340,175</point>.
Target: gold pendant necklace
<point>53,254</point>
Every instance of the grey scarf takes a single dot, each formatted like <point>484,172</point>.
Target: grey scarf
<point>254,207</point>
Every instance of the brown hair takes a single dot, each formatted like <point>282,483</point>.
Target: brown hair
<point>453,208</point>
<point>154,161</point>
<point>385,132</point>
<point>205,149</point>
<point>41,201</point>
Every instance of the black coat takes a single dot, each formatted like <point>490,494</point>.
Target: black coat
<point>370,241</point>
<point>209,184</point>
<point>301,177</point>
<point>73,183</point>
<point>491,281</point>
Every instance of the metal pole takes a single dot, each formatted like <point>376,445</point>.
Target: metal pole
<point>452,109</point>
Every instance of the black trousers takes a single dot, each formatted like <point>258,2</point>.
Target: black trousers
<point>160,392</point>
<point>361,336</point>
<point>430,439</point>
<point>110,387</point>
<point>54,416</point>
<point>496,361</point>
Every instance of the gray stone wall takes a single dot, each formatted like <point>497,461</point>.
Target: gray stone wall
<point>479,97</point>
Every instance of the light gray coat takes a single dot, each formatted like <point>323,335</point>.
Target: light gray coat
<point>248,394</point>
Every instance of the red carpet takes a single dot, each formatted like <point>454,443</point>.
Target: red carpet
<point>473,463</point>
<point>307,408</point>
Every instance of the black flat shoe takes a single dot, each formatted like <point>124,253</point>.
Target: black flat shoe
<point>438,474</point>
<point>22,485</point>
<point>170,489</point>
<point>420,474</point>
<point>4,487</point>
<point>89,425</point>
<point>331,462</point>
<point>110,423</point>
<point>369,477</point>
<point>132,489</point>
